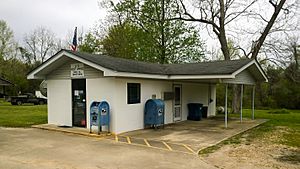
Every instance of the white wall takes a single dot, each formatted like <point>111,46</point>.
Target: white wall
<point>59,102</point>
<point>131,116</point>
<point>101,89</point>
<point>193,93</point>
<point>245,77</point>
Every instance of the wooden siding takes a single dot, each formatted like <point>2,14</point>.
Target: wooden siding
<point>64,71</point>
<point>245,77</point>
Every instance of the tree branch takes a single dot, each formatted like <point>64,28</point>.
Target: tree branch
<point>266,31</point>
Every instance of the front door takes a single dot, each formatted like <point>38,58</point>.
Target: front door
<point>79,102</point>
<point>177,103</point>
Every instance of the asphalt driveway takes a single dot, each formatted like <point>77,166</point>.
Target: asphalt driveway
<point>35,149</point>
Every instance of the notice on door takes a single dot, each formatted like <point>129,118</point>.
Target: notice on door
<point>77,70</point>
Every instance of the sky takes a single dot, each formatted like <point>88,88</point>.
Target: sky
<point>60,16</point>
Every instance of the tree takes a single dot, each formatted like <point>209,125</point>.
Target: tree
<point>171,41</point>
<point>131,42</point>
<point>40,44</point>
<point>283,52</point>
<point>90,44</point>
<point>218,14</point>
<point>7,43</point>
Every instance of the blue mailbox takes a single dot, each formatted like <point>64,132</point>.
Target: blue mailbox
<point>154,112</point>
<point>99,115</point>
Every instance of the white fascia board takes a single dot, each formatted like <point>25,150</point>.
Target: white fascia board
<point>186,77</point>
<point>135,75</point>
<point>243,68</point>
<point>31,76</point>
<point>261,71</point>
<point>248,65</point>
<point>166,77</point>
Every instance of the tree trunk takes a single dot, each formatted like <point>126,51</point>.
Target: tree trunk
<point>236,98</point>
<point>222,33</point>
<point>163,45</point>
<point>295,53</point>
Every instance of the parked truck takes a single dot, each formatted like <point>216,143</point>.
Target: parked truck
<point>27,98</point>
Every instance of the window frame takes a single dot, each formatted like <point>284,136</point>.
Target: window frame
<point>137,93</point>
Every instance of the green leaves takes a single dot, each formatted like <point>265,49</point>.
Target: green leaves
<point>143,31</point>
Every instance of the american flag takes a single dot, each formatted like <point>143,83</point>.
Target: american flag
<point>74,43</point>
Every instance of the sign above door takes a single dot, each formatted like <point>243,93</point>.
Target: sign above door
<point>77,70</point>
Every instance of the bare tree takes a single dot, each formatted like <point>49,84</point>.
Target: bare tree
<point>40,44</point>
<point>216,15</point>
<point>282,52</point>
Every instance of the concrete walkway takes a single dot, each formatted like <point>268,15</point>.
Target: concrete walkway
<point>186,137</point>
<point>197,134</point>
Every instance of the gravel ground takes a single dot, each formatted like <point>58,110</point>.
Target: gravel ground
<point>263,153</point>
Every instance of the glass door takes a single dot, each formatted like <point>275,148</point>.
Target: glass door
<point>177,102</point>
<point>79,102</point>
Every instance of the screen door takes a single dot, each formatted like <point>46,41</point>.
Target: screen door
<point>177,103</point>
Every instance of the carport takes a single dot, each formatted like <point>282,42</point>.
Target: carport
<point>249,73</point>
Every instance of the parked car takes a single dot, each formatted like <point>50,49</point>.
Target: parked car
<point>27,98</point>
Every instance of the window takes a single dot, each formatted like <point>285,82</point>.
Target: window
<point>133,93</point>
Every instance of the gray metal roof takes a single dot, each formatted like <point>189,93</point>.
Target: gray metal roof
<point>125,65</point>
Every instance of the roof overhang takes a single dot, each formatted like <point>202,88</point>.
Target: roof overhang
<point>58,59</point>
<point>4,82</point>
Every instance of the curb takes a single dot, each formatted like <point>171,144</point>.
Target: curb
<point>71,132</point>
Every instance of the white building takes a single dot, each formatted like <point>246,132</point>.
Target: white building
<point>75,80</point>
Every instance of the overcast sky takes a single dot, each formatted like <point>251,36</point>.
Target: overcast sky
<point>61,16</point>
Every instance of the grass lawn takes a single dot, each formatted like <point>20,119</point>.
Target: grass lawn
<point>22,116</point>
<point>280,120</point>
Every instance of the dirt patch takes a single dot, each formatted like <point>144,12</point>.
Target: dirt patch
<point>262,153</point>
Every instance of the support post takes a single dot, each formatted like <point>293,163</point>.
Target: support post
<point>226,111</point>
<point>253,98</point>
<point>242,92</point>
